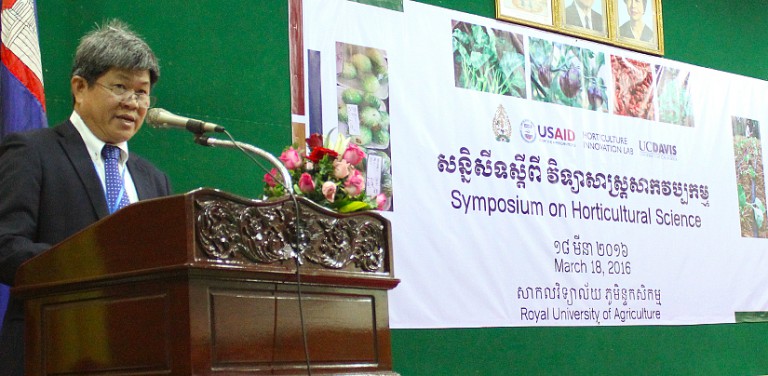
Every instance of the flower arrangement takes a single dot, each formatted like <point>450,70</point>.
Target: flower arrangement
<point>329,175</point>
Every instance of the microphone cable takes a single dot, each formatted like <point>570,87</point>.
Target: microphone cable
<point>296,245</point>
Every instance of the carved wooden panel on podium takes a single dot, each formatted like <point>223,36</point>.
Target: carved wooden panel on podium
<point>206,283</point>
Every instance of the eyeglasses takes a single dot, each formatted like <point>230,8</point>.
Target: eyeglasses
<point>143,99</point>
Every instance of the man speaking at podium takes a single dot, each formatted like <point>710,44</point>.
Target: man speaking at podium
<point>56,181</point>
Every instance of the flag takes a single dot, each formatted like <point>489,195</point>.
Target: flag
<point>22,100</point>
<point>21,72</point>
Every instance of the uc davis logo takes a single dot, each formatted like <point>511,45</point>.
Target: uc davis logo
<point>657,150</point>
<point>528,131</point>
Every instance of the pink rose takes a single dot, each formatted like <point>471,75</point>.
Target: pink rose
<point>354,155</point>
<point>381,200</point>
<point>354,183</point>
<point>329,190</point>
<point>269,178</point>
<point>341,169</point>
<point>291,158</point>
<point>306,184</point>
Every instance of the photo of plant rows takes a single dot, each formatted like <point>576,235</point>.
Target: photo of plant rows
<point>747,150</point>
<point>488,60</point>
<point>567,75</point>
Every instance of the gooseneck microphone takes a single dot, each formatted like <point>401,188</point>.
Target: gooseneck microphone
<point>160,118</point>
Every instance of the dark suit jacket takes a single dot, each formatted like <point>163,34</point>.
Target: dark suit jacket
<point>49,190</point>
<point>572,18</point>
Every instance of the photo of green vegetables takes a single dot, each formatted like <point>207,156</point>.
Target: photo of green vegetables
<point>488,60</point>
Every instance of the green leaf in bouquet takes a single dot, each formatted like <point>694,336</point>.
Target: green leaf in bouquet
<point>353,207</point>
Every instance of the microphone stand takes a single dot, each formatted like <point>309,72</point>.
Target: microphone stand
<point>208,141</point>
<point>301,237</point>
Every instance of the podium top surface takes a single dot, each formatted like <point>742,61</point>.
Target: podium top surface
<point>210,231</point>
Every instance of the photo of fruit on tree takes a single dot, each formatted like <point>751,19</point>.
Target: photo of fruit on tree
<point>633,88</point>
<point>568,75</point>
<point>748,156</point>
<point>488,60</point>
<point>362,85</point>
<point>674,95</point>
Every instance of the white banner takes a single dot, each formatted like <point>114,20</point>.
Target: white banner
<point>540,180</point>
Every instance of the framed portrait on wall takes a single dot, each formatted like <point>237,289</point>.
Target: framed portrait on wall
<point>587,18</point>
<point>631,24</point>
<point>538,13</point>
<point>638,25</point>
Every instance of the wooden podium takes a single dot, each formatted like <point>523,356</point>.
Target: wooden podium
<point>206,283</point>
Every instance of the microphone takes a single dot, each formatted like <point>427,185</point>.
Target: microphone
<point>160,118</point>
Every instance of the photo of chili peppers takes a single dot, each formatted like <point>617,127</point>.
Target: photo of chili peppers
<point>568,75</point>
<point>633,88</point>
<point>674,96</point>
<point>488,60</point>
<point>748,157</point>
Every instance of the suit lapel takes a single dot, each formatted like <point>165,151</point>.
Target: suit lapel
<point>75,149</point>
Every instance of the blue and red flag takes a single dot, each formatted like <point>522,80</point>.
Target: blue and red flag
<point>22,100</point>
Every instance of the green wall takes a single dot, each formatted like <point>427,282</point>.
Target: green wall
<point>223,61</point>
<point>226,61</point>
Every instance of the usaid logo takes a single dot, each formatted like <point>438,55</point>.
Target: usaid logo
<point>528,131</point>
<point>557,134</point>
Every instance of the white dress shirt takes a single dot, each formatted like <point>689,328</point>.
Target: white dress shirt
<point>94,146</point>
